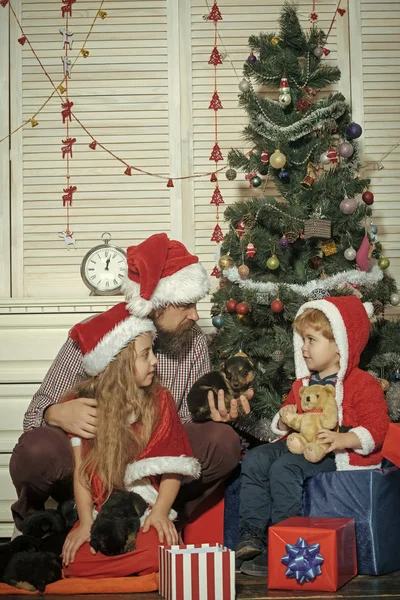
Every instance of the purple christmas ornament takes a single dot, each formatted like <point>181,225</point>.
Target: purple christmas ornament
<point>345,149</point>
<point>251,58</point>
<point>348,206</point>
<point>353,131</point>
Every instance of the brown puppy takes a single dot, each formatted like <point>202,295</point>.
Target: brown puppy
<point>236,377</point>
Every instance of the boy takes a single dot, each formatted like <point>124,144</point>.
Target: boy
<point>329,336</point>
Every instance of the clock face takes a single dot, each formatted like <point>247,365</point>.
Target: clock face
<point>104,269</point>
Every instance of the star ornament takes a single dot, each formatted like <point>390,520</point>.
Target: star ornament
<point>314,17</point>
<point>302,561</point>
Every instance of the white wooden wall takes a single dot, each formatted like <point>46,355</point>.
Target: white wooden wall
<point>144,91</point>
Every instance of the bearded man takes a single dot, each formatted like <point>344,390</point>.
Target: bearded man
<point>164,282</point>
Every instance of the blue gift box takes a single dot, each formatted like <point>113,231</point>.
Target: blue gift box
<point>372,498</point>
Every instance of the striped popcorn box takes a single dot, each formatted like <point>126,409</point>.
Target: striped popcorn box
<point>197,572</point>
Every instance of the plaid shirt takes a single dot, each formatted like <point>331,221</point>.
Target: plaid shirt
<point>177,374</point>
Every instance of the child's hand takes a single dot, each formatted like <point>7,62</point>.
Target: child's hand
<point>74,540</point>
<point>286,411</point>
<point>336,441</point>
<point>163,525</point>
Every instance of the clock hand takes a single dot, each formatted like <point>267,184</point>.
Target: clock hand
<point>107,263</point>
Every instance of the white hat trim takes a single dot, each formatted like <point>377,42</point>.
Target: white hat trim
<point>186,286</point>
<point>184,465</point>
<point>114,341</point>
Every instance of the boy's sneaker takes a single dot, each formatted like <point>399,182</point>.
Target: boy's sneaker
<point>257,567</point>
<point>251,544</point>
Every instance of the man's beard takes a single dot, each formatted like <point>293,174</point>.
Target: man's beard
<point>174,343</point>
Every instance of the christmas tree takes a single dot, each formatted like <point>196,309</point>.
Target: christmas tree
<point>317,237</point>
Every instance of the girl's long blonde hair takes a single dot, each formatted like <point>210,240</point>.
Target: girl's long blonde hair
<point>116,443</point>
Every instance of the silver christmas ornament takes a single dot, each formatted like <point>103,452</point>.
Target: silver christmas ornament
<point>350,253</point>
<point>394,299</point>
<point>244,85</point>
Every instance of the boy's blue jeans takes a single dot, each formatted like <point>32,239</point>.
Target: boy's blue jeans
<point>272,484</point>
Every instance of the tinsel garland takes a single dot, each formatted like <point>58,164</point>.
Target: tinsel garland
<point>393,401</point>
<point>330,283</point>
<point>319,119</point>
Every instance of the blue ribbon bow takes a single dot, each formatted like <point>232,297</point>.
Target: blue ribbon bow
<point>302,561</point>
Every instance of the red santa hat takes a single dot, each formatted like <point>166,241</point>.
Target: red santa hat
<point>162,272</point>
<point>102,338</point>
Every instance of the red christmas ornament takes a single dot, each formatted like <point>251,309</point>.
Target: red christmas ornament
<point>231,306</point>
<point>326,51</point>
<point>242,308</point>
<point>213,177</point>
<point>216,273</point>
<point>4,3</point>
<point>215,103</point>
<point>341,11</point>
<point>67,149</point>
<point>217,198</point>
<point>217,235</point>
<point>93,145</point>
<point>215,57</point>
<point>216,153</point>
<point>128,171</point>
<point>67,197</point>
<point>170,183</point>
<point>215,14</point>
<point>277,306</point>
<point>22,40</point>
<point>313,17</point>
<point>240,228</point>
<point>368,198</point>
<point>250,250</point>
<point>333,156</point>
<point>67,8</point>
<point>264,157</point>
<point>66,110</point>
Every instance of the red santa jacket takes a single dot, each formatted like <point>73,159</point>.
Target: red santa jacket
<point>359,396</point>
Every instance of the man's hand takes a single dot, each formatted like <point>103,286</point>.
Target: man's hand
<point>220,414</point>
<point>78,416</point>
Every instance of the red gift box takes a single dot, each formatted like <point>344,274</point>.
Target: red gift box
<point>391,445</point>
<point>197,572</point>
<point>323,559</point>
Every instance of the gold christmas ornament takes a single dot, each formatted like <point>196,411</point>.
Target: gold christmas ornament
<point>225,262</point>
<point>62,89</point>
<point>244,319</point>
<point>275,41</point>
<point>277,160</point>
<point>273,262</point>
<point>329,248</point>
<point>243,271</point>
<point>34,123</point>
<point>102,14</point>
<point>85,53</point>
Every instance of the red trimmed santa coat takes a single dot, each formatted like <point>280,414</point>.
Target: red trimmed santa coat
<point>359,396</point>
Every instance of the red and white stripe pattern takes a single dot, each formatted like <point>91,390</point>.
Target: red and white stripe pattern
<point>197,572</point>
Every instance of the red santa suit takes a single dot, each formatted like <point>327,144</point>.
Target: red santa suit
<point>359,396</point>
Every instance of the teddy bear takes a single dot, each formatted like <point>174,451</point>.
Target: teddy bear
<point>320,411</point>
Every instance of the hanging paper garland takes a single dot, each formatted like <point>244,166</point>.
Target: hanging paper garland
<point>216,105</point>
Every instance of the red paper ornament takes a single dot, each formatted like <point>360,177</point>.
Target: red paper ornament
<point>67,149</point>
<point>217,198</point>
<point>93,145</point>
<point>264,157</point>
<point>3,3</point>
<point>213,177</point>
<point>240,228</point>
<point>341,11</point>
<point>170,183</point>
<point>128,171</point>
<point>66,110</point>
<point>250,250</point>
<point>216,273</point>
<point>333,156</point>
<point>215,57</point>
<point>313,17</point>
<point>277,306</point>
<point>326,51</point>
<point>217,235</point>
<point>231,306</point>
<point>215,14</point>
<point>242,308</point>
<point>249,178</point>
<point>67,8</point>
<point>67,197</point>
<point>216,153</point>
<point>22,40</point>
<point>215,103</point>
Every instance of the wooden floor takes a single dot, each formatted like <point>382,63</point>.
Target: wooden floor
<point>360,588</point>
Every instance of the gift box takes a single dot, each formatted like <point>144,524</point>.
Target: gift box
<point>311,554</point>
<point>391,445</point>
<point>371,497</point>
<point>197,572</point>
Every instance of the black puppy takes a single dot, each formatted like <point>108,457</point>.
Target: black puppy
<point>32,570</point>
<point>235,377</point>
<point>49,527</point>
<point>22,543</point>
<point>115,529</point>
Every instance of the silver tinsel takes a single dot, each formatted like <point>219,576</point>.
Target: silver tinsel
<point>319,294</point>
<point>259,428</point>
<point>393,401</point>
